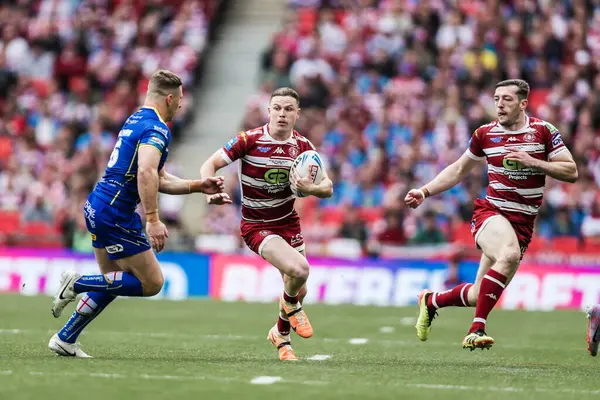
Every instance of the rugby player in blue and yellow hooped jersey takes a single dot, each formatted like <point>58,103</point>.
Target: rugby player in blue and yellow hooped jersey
<point>135,173</point>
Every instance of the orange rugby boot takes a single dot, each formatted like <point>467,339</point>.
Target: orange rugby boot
<point>298,319</point>
<point>282,344</point>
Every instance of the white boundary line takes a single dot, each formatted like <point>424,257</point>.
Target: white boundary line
<point>176,335</point>
<point>500,389</point>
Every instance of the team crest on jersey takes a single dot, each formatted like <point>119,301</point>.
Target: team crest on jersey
<point>529,137</point>
<point>293,152</point>
<point>497,139</point>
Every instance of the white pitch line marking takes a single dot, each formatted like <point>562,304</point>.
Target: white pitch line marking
<point>386,329</point>
<point>319,357</point>
<point>265,380</point>
<point>358,341</point>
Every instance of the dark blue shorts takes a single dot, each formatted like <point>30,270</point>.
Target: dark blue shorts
<point>120,233</point>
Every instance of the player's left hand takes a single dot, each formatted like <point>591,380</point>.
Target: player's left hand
<point>522,157</point>
<point>302,185</point>
<point>212,185</point>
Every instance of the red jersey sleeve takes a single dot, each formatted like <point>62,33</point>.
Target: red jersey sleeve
<point>236,148</point>
<point>554,142</point>
<point>475,150</point>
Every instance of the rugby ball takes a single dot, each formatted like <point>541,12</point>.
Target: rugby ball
<point>307,164</point>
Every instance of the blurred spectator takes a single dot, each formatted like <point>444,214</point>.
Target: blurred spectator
<point>428,232</point>
<point>395,89</point>
<point>353,227</point>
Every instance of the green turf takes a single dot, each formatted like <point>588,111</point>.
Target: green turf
<point>210,350</point>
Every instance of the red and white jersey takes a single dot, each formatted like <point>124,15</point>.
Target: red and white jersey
<point>513,189</point>
<point>264,172</point>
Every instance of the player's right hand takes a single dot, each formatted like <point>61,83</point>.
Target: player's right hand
<point>414,198</point>
<point>157,234</point>
<point>219,199</point>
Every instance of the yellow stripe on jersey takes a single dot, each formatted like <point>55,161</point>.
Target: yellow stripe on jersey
<point>128,174</point>
<point>151,145</point>
<point>157,114</point>
<point>114,198</point>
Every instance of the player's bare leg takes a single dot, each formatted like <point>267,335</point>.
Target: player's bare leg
<point>294,265</point>
<point>88,307</point>
<point>499,243</point>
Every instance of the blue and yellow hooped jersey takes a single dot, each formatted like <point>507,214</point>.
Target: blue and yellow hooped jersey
<point>118,187</point>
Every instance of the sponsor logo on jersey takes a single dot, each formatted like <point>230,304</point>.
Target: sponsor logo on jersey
<point>125,132</point>
<point>279,151</point>
<point>277,176</point>
<point>157,140</point>
<point>512,139</point>
<point>511,165</point>
<point>160,129</point>
<point>496,139</point>
<point>263,149</point>
<point>230,144</point>
<point>556,139</point>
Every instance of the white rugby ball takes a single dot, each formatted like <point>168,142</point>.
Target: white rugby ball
<point>307,164</point>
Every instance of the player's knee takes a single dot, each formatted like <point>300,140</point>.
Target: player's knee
<point>300,270</point>
<point>153,285</point>
<point>510,258</point>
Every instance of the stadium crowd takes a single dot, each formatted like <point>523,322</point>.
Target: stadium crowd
<point>71,71</point>
<point>392,90</point>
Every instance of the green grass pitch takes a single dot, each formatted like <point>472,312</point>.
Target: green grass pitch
<point>202,349</point>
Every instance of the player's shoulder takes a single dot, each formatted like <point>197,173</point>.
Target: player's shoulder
<point>542,125</point>
<point>251,136</point>
<point>302,141</point>
<point>487,128</point>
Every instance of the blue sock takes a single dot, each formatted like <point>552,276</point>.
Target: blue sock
<point>116,283</point>
<point>88,308</point>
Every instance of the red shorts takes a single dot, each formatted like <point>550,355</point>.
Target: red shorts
<point>483,212</point>
<point>257,234</point>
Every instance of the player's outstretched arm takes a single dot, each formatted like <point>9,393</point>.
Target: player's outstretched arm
<point>147,180</point>
<point>448,178</point>
<point>208,170</point>
<point>171,184</point>
<point>561,167</point>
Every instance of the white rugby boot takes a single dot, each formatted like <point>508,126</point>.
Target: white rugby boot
<point>66,349</point>
<point>66,292</point>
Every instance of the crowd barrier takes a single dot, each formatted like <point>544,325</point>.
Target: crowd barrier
<point>332,281</point>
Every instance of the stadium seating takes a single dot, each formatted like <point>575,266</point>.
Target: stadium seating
<point>420,75</point>
<point>66,66</point>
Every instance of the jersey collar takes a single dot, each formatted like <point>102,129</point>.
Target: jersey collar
<point>156,112</point>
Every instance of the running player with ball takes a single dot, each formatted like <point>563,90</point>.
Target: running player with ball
<point>520,151</point>
<point>272,175</point>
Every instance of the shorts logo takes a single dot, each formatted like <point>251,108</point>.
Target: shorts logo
<point>93,237</point>
<point>264,233</point>
<point>293,152</point>
<point>277,175</point>
<point>296,239</point>
<point>115,248</point>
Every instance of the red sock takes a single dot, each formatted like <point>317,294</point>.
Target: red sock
<point>456,297</point>
<point>283,326</point>
<point>290,299</point>
<point>491,289</point>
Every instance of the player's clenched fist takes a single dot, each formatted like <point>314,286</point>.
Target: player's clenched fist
<point>213,185</point>
<point>157,234</point>
<point>414,198</point>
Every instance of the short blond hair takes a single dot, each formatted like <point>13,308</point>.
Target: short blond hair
<point>163,82</point>
<point>286,91</point>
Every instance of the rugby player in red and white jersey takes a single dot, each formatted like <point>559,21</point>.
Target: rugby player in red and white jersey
<point>520,151</point>
<point>270,226</point>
